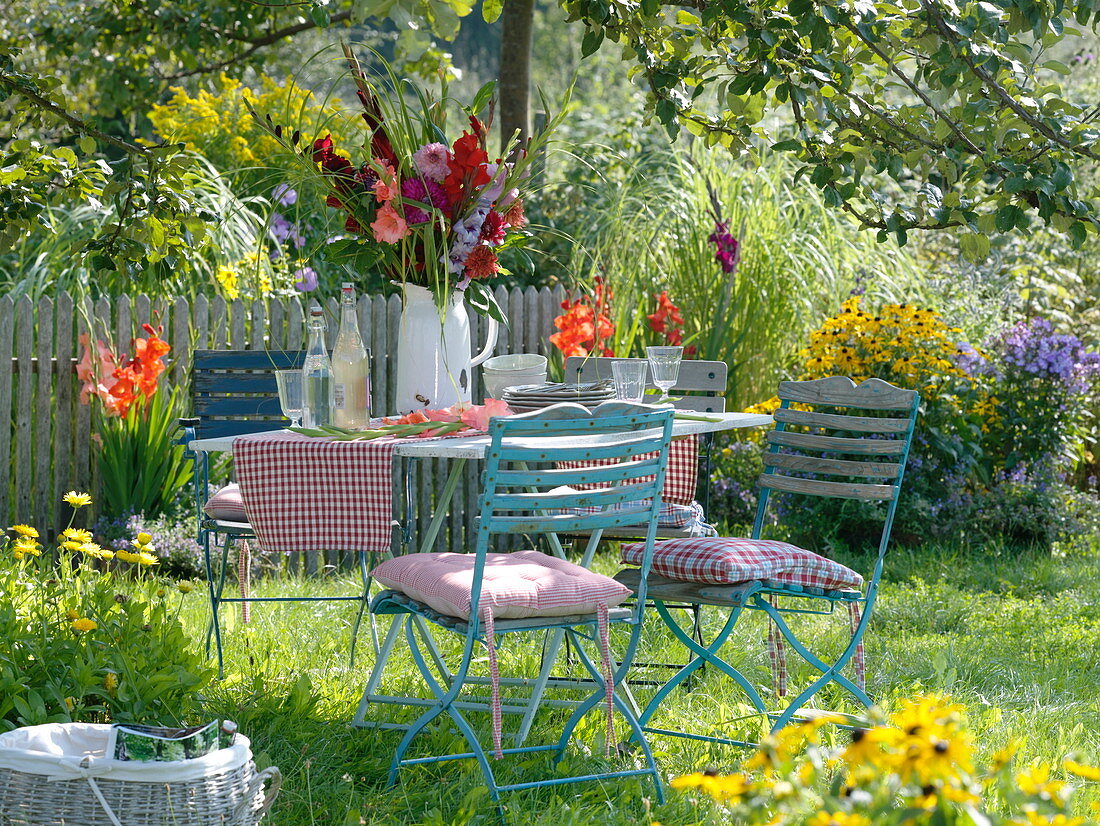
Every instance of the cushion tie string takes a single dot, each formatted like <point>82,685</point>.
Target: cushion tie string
<point>608,674</point>
<point>860,665</point>
<point>777,654</point>
<point>494,678</point>
<point>244,578</point>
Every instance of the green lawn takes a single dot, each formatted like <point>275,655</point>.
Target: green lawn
<point>1015,638</point>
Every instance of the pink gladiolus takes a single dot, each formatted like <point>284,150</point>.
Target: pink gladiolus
<point>477,417</point>
<point>386,187</point>
<point>389,227</point>
<point>447,414</point>
<point>98,376</point>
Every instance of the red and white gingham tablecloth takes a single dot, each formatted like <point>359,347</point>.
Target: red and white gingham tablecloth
<point>308,494</point>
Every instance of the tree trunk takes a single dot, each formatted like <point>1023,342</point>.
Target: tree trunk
<point>515,68</point>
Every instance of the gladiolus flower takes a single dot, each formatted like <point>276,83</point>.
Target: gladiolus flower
<point>389,227</point>
<point>386,187</point>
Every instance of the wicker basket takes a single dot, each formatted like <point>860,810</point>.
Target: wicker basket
<point>59,775</point>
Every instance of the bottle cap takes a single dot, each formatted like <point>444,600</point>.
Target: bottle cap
<point>346,286</point>
<point>316,312</point>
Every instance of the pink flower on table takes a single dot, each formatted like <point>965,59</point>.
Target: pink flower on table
<point>389,227</point>
<point>433,161</point>
<point>477,417</point>
<point>447,414</point>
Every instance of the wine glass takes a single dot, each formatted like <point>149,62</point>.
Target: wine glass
<point>664,363</point>
<point>290,394</point>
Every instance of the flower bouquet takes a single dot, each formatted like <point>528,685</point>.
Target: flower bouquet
<point>421,208</point>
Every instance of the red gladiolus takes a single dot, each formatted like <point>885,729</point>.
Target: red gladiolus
<point>667,321</point>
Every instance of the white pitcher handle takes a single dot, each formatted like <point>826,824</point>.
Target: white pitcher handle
<point>490,343</point>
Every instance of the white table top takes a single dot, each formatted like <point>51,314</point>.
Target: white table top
<point>474,447</point>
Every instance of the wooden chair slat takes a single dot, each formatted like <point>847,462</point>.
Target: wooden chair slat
<point>837,444</point>
<point>247,359</point>
<point>238,406</point>
<point>599,497</point>
<point>218,428</point>
<point>833,421</point>
<point>820,487</point>
<point>841,391</point>
<point>235,382</point>
<point>835,467</point>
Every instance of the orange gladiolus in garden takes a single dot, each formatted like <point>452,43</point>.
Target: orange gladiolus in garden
<point>586,326</point>
<point>119,382</point>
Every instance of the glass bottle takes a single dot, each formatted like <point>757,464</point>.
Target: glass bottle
<point>350,369</point>
<point>317,389</point>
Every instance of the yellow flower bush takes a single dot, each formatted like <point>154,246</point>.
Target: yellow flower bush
<point>911,347</point>
<point>217,124</point>
<point>89,635</point>
<point>915,766</point>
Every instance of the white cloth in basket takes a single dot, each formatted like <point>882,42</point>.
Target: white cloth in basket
<point>67,751</point>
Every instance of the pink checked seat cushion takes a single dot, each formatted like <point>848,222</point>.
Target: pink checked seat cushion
<point>515,585</point>
<point>226,505</point>
<point>726,561</point>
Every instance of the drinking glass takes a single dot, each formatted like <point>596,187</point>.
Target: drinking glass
<point>629,379</point>
<point>664,362</point>
<point>290,394</point>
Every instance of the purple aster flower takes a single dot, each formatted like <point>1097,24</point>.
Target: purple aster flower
<point>306,279</point>
<point>433,161</point>
<point>285,195</point>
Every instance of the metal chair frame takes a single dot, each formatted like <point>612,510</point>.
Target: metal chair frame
<point>700,387</point>
<point>793,464</point>
<point>515,499</point>
<point>234,392</point>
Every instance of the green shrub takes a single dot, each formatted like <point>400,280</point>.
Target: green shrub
<point>91,635</point>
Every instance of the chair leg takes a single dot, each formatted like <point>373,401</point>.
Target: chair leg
<point>829,673</point>
<point>215,588</point>
<point>445,703</point>
<point>700,654</point>
<point>384,654</point>
<point>637,732</point>
<point>365,578</point>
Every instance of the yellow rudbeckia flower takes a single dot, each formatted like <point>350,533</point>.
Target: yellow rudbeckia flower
<point>77,500</point>
<point>25,530</point>
<point>82,625</point>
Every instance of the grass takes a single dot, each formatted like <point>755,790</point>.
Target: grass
<point>1015,637</point>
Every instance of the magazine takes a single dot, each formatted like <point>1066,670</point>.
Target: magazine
<point>162,743</point>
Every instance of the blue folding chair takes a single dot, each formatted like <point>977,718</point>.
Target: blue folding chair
<point>525,492</point>
<point>832,439</point>
<point>234,392</point>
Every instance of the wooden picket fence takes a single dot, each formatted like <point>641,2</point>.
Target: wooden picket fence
<point>52,446</point>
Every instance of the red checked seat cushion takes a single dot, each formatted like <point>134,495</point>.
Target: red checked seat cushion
<point>226,505</point>
<point>725,561</point>
<point>515,585</point>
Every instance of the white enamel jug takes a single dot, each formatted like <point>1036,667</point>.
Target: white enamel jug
<point>433,354</point>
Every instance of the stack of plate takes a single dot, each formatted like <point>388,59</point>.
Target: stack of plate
<point>527,397</point>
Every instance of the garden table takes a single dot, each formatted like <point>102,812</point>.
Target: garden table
<point>459,449</point>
